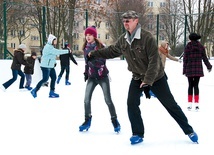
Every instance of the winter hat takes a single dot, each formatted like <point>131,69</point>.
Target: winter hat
<point>130,14</point>
<point>91,30</point>
<point>65,44</point>
<point>51,37</point>
<point>22,46</point>
<point>194,36</point>
<point>33,54</point>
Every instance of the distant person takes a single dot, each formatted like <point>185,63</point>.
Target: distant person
<point>194,54</point>
<point>140,50</point>
<point>18,60</point>
<point>65,65</point>
<point>96,73</point>
<point>164,53</point>
<point>48,62</point>
<point>29,70</point>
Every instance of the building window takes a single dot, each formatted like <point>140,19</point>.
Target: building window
<point>76,35</point>
<point>161,27</point>
<point>162,4</point>
<point>76,47</point>
<point>13,33</point>
<point>34,38</point>
<point>161,37</point>
<point>22,33</point>
<point>150,4</point>
<point>107,36</point>
<point>13,45</point>
<point>149,26</point>
<point>150,15</point>
<point>98,1</point>
<point>76,24</point>
<point>107,25</point>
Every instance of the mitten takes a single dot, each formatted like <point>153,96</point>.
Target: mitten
<point>146,89</point>
<point>85,77</point>
<point>180,60</point>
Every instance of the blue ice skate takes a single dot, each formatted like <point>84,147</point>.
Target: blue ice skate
<point>135,139</point>
<point>194,137</point>
<point>53,95</point>
<point>116,125</point>
<point>86,125</point>
<point>67,82</point>
<point>33,93</point>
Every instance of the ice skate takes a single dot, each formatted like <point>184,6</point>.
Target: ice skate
<point>116,125</point>
<point>135,139</point>
<point>86,125</point>
<point>53,95</point>
<point>194,137</point>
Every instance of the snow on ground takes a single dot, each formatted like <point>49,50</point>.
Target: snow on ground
<point>47,126</point>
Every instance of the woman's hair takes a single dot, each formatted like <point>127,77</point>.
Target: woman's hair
<point>98,43</point>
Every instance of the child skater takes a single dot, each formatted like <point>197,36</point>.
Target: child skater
<point>65,65</point>
<point>29,70</point>
<point>96,73</point>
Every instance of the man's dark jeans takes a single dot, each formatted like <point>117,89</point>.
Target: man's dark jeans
<point>161,90</point>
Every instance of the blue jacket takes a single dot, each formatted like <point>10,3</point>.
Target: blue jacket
<point>49,54</point>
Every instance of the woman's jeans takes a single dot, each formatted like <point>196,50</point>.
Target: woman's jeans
<point>46,73</point>
<point>15,74</point>
<point>162,91</point>
<point>91,84</point>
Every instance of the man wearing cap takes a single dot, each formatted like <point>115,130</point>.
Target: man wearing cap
<point>140,50</point>
<point>18,60</point>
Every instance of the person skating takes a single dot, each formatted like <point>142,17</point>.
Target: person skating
<point>140,50</point>
<point>48,62</point>
<point>65,65</point>
<point>18,60</point>
<point>96,73</point>
<point>194,54</point>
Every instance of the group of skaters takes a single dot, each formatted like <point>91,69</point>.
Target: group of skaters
<point>146,62</point>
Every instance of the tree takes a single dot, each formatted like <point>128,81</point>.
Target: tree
<point>200,17</point>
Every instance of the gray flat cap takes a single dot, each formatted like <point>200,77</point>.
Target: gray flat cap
<point>130,14</point>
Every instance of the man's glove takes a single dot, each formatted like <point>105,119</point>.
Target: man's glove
<point>85,77</point>
<point>146,89</point>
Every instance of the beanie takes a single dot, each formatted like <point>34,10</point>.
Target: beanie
<point>22,46</point>
<point>91,30</point>
<point>33,54</point>
<point>51,37</point>
<point>194,36</point>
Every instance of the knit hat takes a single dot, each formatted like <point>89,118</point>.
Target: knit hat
<point>130,14</point>
<point>51,37</point>
<point>194,36</point>
<point>22,46</point>
<point>33,54</point>
<point>91,30</point>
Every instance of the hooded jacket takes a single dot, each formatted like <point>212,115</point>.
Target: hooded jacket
<point>49,53</point>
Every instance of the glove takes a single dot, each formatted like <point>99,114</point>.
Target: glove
<point>146,89</point>
<point>55,64</point>
<point>85,77</point>
<point>209,70</point>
